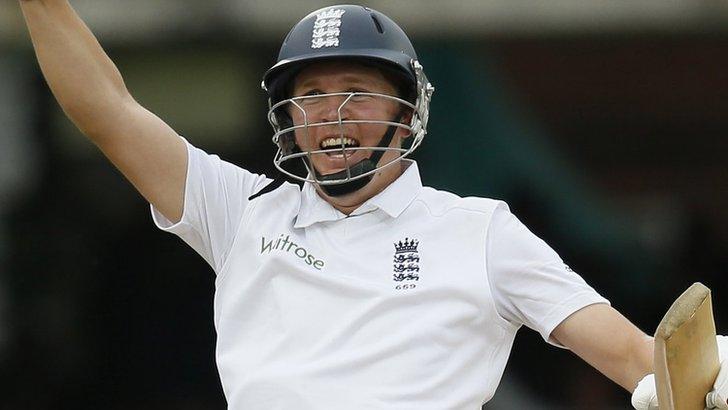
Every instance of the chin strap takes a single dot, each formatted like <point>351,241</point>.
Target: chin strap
<point>361,167</point>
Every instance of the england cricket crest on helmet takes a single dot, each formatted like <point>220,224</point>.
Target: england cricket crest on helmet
<point>406,262</point>
<point>326,28</point>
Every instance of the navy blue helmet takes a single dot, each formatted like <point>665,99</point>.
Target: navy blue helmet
<point>352,33</point>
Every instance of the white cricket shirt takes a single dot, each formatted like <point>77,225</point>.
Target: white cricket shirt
<point>410,302</point>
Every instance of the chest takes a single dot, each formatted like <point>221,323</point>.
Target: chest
<point>372,294</point>
<point>372,252</point>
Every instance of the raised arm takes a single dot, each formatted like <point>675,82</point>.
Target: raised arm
<point>91,91</point>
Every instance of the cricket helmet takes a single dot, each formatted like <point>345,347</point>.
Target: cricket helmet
<point>352,33</point>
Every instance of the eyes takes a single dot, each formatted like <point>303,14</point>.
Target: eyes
<point>316,91</point>
<point>360,96</point>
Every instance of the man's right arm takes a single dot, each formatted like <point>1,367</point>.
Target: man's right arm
<point>91,91</point>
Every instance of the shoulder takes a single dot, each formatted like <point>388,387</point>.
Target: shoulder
<point>275,190</point>
<point>275,197</point>
<point>441,203</point>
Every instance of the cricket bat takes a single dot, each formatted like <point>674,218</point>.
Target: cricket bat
<point>686,352</point>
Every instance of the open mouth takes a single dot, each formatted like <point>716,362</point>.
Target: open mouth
<point>331,143</point>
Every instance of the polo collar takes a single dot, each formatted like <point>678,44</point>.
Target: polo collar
<point>393,200</point>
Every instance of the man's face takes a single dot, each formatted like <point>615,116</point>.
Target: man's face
<point>344,77</point>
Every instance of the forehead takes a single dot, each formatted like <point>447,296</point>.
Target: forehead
<point>336,74</point>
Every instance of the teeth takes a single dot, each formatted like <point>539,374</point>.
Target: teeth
<point>336,142</point>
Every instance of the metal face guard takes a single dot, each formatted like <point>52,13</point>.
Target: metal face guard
<point>281,114</point>
<point>295,140</point>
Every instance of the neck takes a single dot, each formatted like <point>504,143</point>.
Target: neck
<point>348,203</point>
<point>345,209</point>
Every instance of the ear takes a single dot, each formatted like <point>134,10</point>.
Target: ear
<point>406,118</point>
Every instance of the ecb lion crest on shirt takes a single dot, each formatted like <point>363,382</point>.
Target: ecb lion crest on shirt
<point>406,261</point>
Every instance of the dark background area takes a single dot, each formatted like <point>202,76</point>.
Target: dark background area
<point>609,147</point>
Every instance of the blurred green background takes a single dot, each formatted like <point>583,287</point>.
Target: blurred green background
<point>602,124</point>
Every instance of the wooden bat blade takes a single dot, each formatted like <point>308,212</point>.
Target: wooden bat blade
<point>686,352</point>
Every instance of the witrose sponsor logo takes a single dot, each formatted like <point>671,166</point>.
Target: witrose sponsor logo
<point>286,245</point>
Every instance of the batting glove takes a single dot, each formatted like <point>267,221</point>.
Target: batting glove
<point>718,397</point>
<point>645,395</point>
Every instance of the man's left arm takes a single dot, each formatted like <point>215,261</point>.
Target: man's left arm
<point>609,342</point>
<point>613,345</point>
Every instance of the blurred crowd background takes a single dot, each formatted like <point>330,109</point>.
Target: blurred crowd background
<point>602,123</point>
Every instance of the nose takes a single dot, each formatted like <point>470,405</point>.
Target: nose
<point>333,107</point>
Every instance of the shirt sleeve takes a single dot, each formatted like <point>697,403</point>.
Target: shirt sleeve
<point>216,195</point>
<point>530,283</point>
